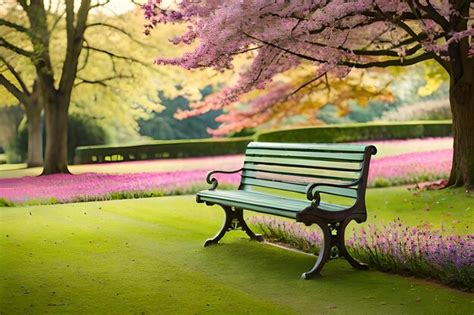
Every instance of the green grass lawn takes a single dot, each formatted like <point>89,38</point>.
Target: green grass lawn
<point>146,256</point>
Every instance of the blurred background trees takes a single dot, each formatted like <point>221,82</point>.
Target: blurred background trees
<point>87,60</point>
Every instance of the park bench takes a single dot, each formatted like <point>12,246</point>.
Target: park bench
<point>274,177</point>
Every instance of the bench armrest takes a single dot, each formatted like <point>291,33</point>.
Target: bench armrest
<point>213,181</point>
<point>315,196</point>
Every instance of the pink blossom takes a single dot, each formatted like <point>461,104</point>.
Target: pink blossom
<point>277,35</point>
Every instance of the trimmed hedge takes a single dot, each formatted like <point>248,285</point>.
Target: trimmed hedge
<point>212,147</point>
<point>360,132</point>
<point>161,150</point>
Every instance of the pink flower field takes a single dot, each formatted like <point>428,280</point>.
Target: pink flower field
<point>406,168</point>
<point>410,168</point>
<point>90,186</point>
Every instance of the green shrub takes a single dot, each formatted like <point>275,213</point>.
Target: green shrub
<point>212,147</point>
<point>246,132</point>
<point>17,149</point>
<point>5,203</point>
<point>359,132</point>
<point>83,130</point>
<point>161,150</point>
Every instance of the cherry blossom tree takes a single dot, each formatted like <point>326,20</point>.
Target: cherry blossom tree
<point>335,36</point>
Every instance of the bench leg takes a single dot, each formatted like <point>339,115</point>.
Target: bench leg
<point>234,219</point>
<point>333,236</point>
<point>341,246</point>
<point>239,214</point>
<point>324,254</point>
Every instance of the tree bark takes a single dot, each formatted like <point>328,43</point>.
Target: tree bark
<point>462,107</point>
<point>35,135</point>
<point>56,117</point>
<point>461,96</point>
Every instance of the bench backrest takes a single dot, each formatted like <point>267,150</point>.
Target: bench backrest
<point>291,167</point>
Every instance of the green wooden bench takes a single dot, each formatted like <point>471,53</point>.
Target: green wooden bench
<point>274,177</point>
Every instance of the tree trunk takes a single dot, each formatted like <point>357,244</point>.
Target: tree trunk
<point>462,107</point>
<point>56,117</point>
<point>35,136</point>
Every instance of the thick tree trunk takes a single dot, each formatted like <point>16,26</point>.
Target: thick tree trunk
<point>56,117</point>
<point>462,107</point>
<point>35,136</point>
<point>461,95</point>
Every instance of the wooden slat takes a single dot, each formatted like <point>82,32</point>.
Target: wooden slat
<point>338,191</point>
<point>301,188</point>
<point>323,156</point>
<point>253,207</point>
<point>298,171</point>
<point>251,172</point>
<point>298,163</point>
<point>248,200</point>
<point>259,198</point>
<point>307,147</point>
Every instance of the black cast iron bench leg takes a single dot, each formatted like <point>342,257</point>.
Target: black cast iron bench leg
<point>333,236</point>
<point>343,250</point>
<point>324,254</point>
<point>234,219</point>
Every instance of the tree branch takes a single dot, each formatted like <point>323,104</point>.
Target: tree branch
<point>86,60</point>
<point>120,30</point>
<point>56,22</point>
<point>390,63</point>
<point>284,49</point>
<point>103,80</point>
<point>15,26</point>
<point>75,40</point>
<point>16,75</point>
<point>15,49</point>
<point>113,55</point>
<point>380,64</point>
<point>243,51</point>
<point>23,4</point>
<point>99,4</point>
<point>21,97</point>
<point>365,52</point>
<point>307,83</point>
<point>432,13</point>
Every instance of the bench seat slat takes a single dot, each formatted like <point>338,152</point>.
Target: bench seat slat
<point>297,187</point>
<point>302,163</point>
<point>260,202</point>
<point>323,156</point>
